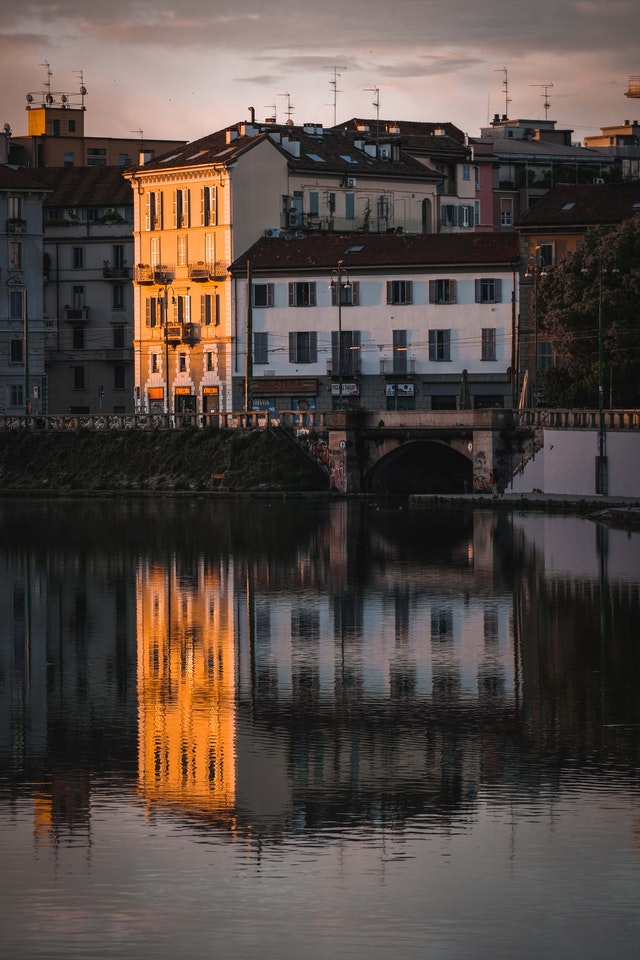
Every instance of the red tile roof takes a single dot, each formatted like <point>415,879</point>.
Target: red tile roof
<point>583,205</point>
<point>323,251</point>
<point>85,186</point>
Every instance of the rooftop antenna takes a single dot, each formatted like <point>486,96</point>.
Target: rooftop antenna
<point>334,84</point>
<point>47,82</point>
<point>140,135</point>
<point>546,87</point>
<point>505,84</point>
<point>376,104</point>
<point>83,89</point>
<point>289,109</point>
<point>272,107</point>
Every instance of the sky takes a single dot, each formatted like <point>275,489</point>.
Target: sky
<point>184,69</point>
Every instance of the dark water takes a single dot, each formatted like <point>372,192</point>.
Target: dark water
<point>286,730</point>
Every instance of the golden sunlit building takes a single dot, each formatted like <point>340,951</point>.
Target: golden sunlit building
<point>186,684</point>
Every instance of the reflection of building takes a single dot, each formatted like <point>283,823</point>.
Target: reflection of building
<point>186,684</point>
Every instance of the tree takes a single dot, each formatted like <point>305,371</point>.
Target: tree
<point>601,279</point>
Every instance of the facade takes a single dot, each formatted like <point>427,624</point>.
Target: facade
<point>88,293</point>
<point>551,230</point>
<point>56,137</point>
<point>621,141</point>
<point>527,158</point>
<point>395,322</point>
<point>197,209</point>
<point>23,329</point>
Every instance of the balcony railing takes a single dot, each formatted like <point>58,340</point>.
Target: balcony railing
<point>116,273</point>
<point>397,366</point>
<point>203,270</point>
<point>183,333</point>
<point>76,314</point>
<point>160,273</point>
<point>16,225</point>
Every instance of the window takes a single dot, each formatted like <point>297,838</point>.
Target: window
<point>209,206</point>
<point>117,296</point>
<point>399,291</point>
<point>488,290</point>
<point>78,298</point>
<point>55,128</point>
<point>78,258</point>
<point>17,395</point>
<point>348,360</point>
<point>16,300</point>
<point>263,294</point>
<point>154,211</point>
<point>383,208</point>
<point>154,363</point>
<point>314,203</point>
<point>545,253</point>
<point>117,255</point>
<point>210,361</point>
<point>350,206</point>
<point>488,343</point>
<point>181,208</point>
<point>303,346</point>
<point>466,171</point>
<point>349,294</point>
<point>210,247</point>
<point>260,347</point>
<point>78,338</point>
<point>439,345</point>
<point>183,309</point>
<point>182,250</point>
<point>118,338</point>
<point>506,212</point>
<point>466,216</point>
<point>15,355</point>
<point>182,362</point>
<point>15,255</point>
<point>71,126</point>
<point>302,294</point>
<point>154,312</point>
<point>546,355</point>
<point>14,208</point>
<point>154,251</point>
<point>68,159</point>
<point>400,351</point>
<point>96,156</point>
<point>442,291</point>
<point>449,215</point>
<point>118,376</point>
<point>78,378</point>
<point>210,309</point>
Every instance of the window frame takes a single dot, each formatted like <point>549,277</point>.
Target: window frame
<point>440,345</point>
<point>488,350</point>
<point>302,293</point>
<point>303,346</point>
<point>399,292</point>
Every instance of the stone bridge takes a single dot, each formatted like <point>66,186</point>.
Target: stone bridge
<point>445,451</point>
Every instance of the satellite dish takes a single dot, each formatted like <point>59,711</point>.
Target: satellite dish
<point>49,98</point>
<point>7,128</point>
<point>83,91</point>
<point>64,98</point>
<point>29,98</point>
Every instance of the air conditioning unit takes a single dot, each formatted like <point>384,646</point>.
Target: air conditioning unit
<point>351,181</point>
<point>598,180</point>
<point>272,232</point>
<point>295,218</point>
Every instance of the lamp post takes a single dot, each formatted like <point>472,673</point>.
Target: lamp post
<point>339,282</point>
<point>602,468</point>
<point>165,317</point>
<point>536,267</point>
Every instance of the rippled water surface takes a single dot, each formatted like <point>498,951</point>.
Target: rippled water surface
<point>323,730</point>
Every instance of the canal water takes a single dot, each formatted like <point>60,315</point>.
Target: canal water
<point>299,729</point>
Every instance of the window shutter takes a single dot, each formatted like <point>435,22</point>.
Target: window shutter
<point>355,293</point>
<point>497,285</point>
<point>313,347</point>
<point>203,308</point>
<point>148,312</point>
<point>269,294</point>
<point>478,285</point>
<point>409,289</point>
<point>217,309</point>
<point>293,342</point>
<point>149,207</point>
<point>203,206</point>
<point>432,291</point>
<point>186,222</point>
<point>432,344</point>
<point>292,294</point>
<point>389,291</point>
<point>312,294</point>
<point>333,287</point>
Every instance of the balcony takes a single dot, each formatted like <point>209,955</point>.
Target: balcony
<point>204,270</point>
<point>160,273</point>
<point>402,366</point>
<point>76,314</point>
<point>183,333</point>
<point>119,354</point>
<point>16,225</point>
<point>115,273</point>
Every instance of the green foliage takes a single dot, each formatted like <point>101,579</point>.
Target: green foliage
<point>597,287</point>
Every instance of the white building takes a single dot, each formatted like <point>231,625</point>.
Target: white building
<point>424,322</point>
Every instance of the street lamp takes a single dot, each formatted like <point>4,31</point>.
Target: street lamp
<point>339,282</point>
<point>536,267</point>
<point>602,469</point>
<point>165,317</point>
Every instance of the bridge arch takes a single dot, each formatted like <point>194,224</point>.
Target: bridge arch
<point>420,466</point>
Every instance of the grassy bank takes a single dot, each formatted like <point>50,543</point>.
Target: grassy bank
<point>171,460</point>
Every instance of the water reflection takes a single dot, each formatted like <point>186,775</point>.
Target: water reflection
<point>269,674</point>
